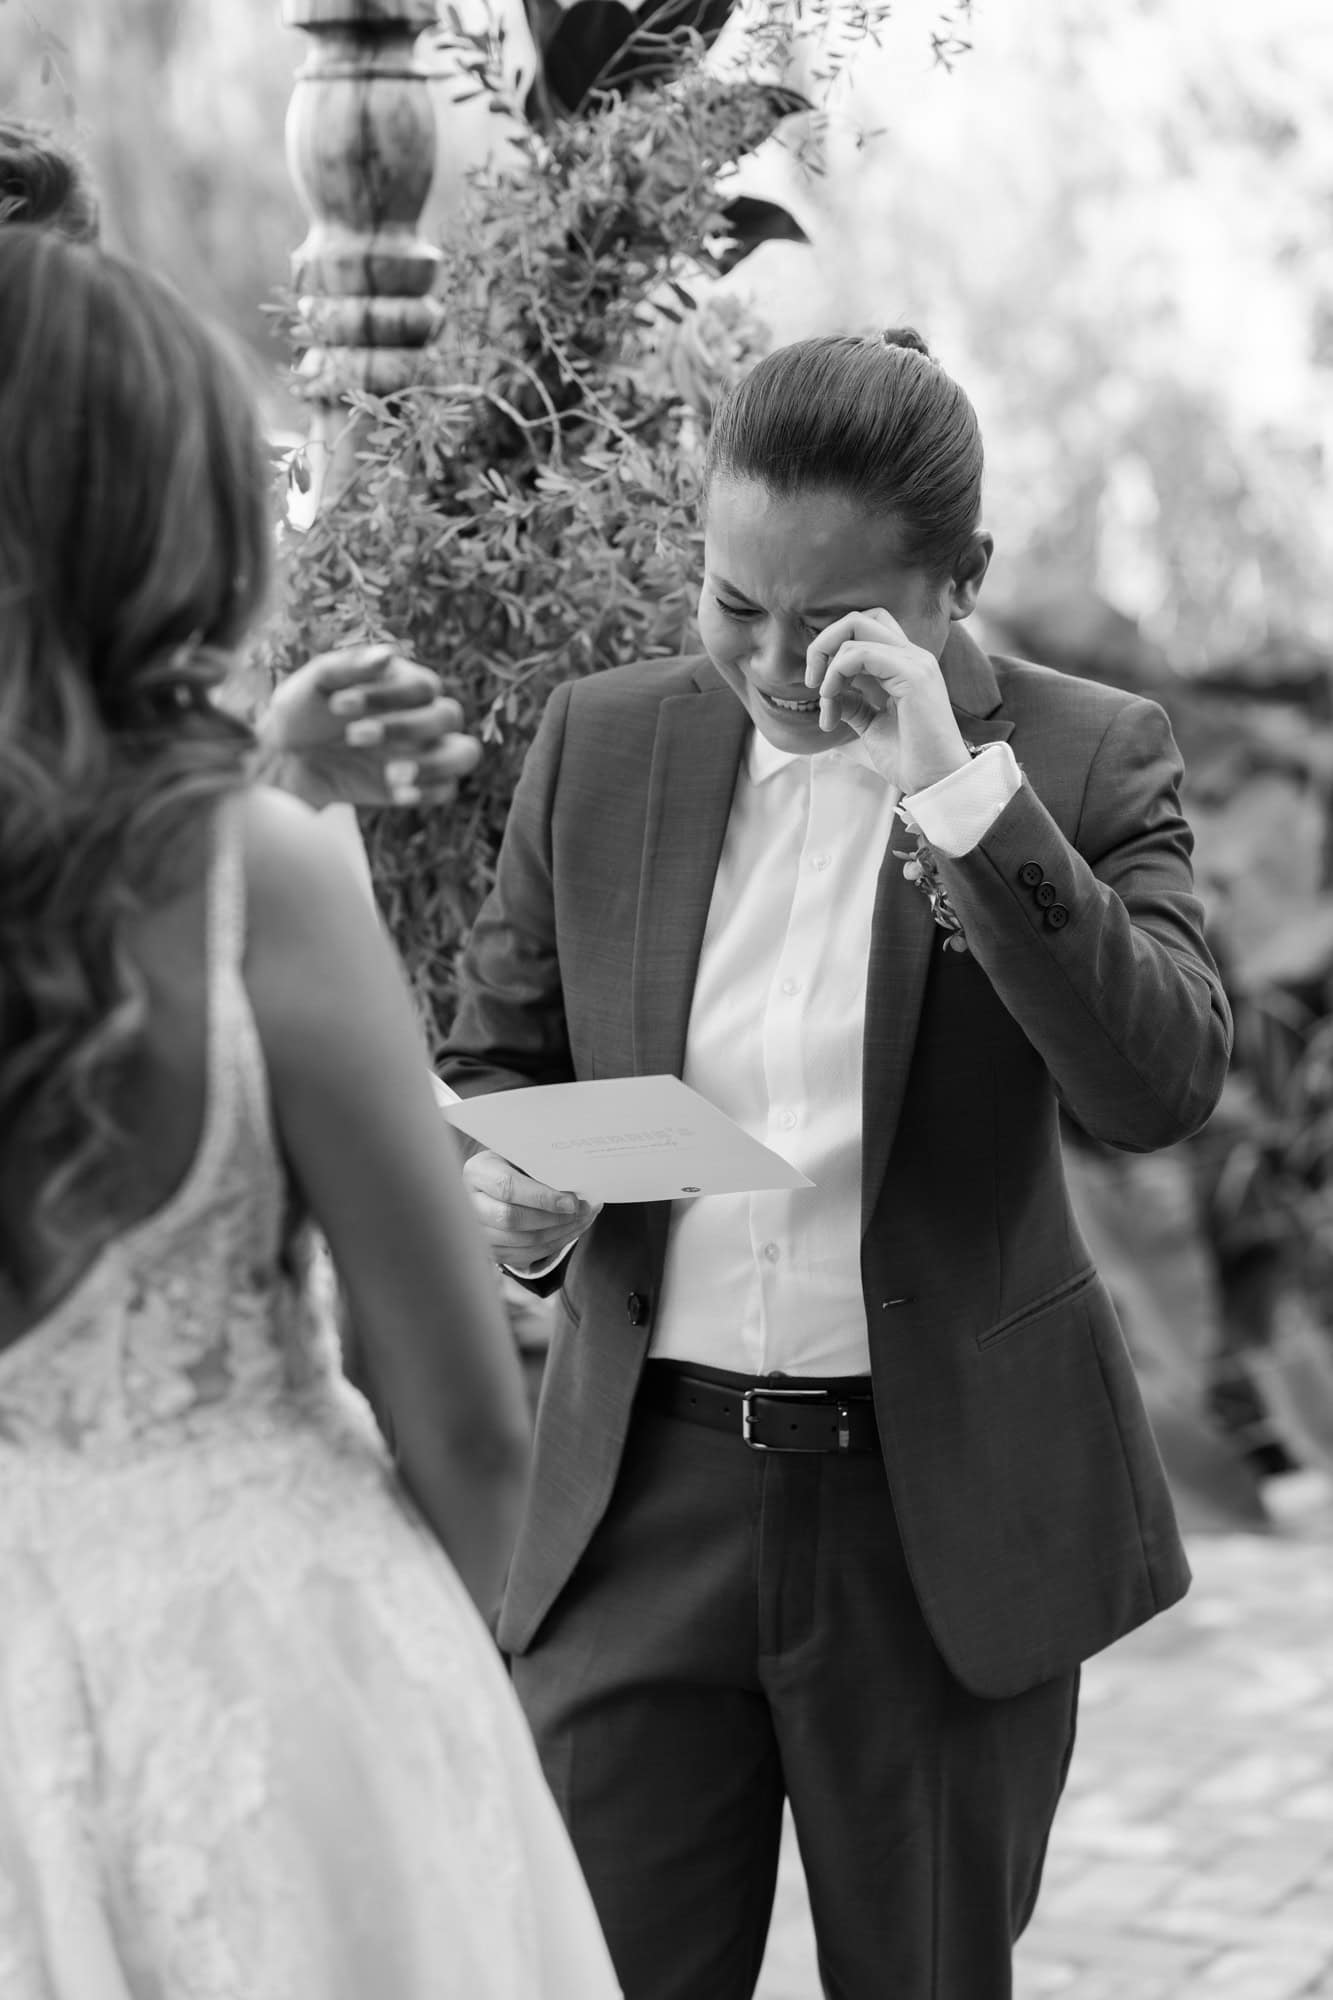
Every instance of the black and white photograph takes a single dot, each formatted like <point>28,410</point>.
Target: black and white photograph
<point>666,1000</point>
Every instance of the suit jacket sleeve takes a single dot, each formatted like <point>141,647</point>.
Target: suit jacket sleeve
<point>1096,945</point>
<point>509,1028</point>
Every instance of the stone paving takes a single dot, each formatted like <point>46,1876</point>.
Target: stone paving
<point>1193,1854</point>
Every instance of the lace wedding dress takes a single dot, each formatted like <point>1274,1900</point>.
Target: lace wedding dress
<point>255,1743</point>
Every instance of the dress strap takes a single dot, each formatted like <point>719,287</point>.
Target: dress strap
<point>238,1085</point>
<point>226,890</point>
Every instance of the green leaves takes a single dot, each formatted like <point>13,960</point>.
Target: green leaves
<point>526,512</point>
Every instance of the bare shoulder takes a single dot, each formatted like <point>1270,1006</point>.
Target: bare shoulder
<point>283,841</point>
<point>310,927</point>
<point>286,857</point>
<point>336,1020</point>
<point>299,881</point>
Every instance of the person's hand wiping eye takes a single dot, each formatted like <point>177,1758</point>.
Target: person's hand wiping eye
<point>871,677</point>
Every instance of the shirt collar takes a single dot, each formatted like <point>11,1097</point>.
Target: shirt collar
<point>764,760</point>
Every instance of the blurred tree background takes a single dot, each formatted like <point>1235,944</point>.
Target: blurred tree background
<point>1111,218</point>
<point>178,108</point>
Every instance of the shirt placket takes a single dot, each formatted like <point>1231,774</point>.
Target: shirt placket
<point>786,1042</point>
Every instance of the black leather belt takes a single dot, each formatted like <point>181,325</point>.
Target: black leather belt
<point>766,1415</point>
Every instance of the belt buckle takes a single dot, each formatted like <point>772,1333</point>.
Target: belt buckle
<point>791,1395</point>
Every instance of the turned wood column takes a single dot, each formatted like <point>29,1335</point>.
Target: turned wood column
<point>361,143</point>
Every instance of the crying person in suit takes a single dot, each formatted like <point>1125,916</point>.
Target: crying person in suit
<point>835,1487</point>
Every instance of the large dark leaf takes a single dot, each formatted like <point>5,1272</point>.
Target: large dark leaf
<point>603,45</point>
<point>751,222</point>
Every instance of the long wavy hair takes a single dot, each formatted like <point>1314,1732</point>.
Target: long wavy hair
<point>134,555</point>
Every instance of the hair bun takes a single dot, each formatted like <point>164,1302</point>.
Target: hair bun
<point>908,337</point>
<point>44,182</point>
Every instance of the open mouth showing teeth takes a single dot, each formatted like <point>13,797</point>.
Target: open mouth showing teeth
<point>792,707</point>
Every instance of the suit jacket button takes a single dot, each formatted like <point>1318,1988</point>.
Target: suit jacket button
<point>636,1305</point>
<point>1045,894</point>
<point>1057,916</point>
<point>1029,874</point>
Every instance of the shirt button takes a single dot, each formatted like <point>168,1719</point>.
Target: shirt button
<point>771,1253</point>
<point>819,860</point>
<point>1029,874</point>
<point>787,1119</point>
<point>791,985</point>
<point>1045,894</point>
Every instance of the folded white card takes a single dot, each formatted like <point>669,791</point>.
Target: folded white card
<point>632,1138</point>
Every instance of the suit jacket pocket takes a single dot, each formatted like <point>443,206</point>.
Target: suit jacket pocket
<point>1036,1309</point>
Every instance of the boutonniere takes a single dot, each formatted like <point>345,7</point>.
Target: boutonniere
<point>921,867</point>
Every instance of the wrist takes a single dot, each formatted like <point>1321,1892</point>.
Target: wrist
<point>288,772</point>
<point>920,777</point>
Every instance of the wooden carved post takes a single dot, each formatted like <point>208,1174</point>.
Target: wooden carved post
<point>361,152</point>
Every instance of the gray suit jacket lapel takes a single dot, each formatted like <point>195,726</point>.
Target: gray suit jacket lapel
<point>904,934</point>
<point>696,754</point>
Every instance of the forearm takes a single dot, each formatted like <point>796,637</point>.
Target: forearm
<point>466,1479</point>
<point>456,1419</point>
<point>471,1498</point>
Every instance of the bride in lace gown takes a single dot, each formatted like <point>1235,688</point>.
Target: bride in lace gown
<point>255,1742</point>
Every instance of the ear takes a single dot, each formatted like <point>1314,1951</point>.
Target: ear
<point>965,587</point>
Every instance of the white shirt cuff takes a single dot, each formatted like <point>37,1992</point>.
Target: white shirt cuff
<point>957,811</point>
<point>540,1270</point>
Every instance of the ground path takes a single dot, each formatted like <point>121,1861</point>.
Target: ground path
<point>1193,1855</point>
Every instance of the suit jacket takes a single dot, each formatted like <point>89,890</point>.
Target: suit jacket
<point>1026,1484</point>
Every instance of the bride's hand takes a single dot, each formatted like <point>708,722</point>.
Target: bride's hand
<point>870,675</point>
<point>365,726</point>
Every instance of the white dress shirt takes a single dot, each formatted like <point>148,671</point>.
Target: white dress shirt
<point>771,1281</point>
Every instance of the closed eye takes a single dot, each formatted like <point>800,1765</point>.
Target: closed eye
<point>811,625</point>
